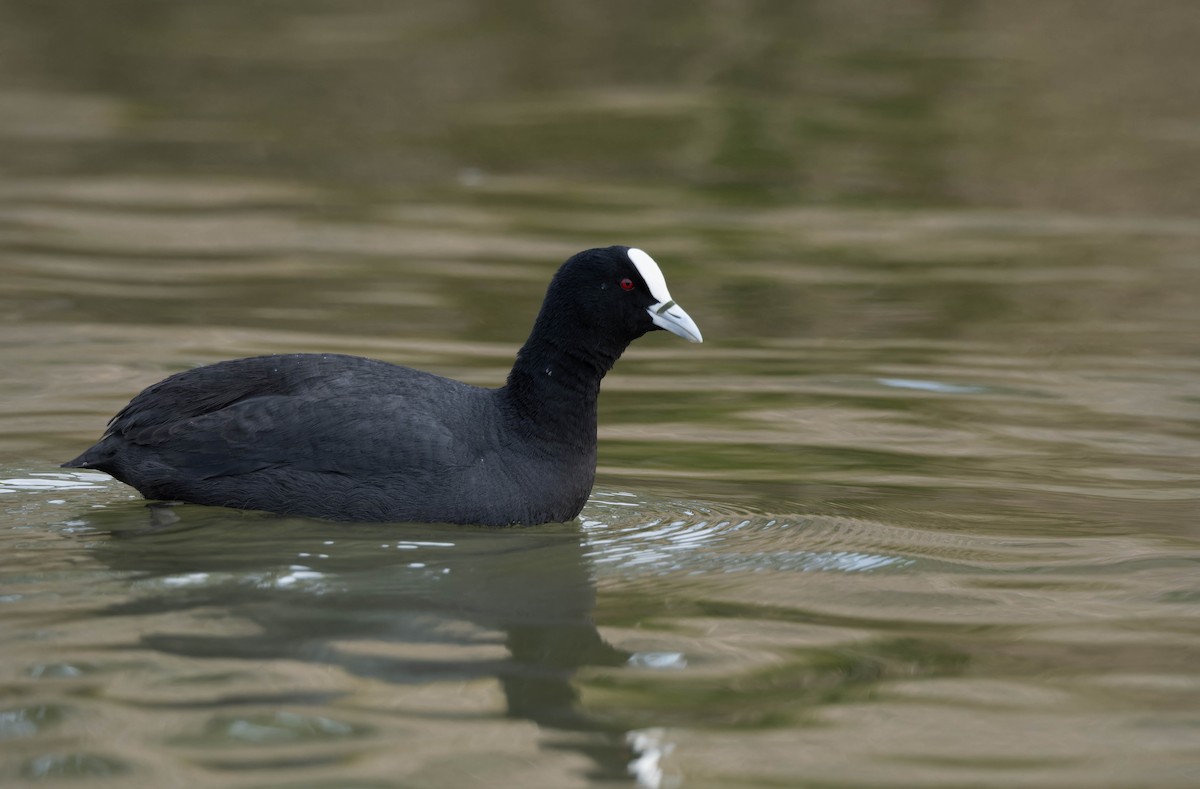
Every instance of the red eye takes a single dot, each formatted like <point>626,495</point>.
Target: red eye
<point>627,284</point>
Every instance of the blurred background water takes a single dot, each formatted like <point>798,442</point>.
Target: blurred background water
<point>922,510</point>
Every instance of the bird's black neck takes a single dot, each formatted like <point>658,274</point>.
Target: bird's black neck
<point>554,385</point>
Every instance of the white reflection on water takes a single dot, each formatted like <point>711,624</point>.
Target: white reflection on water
<point>649,767</point>
<point>53,480</point>
<point>186,579</point>
<point>930,386</point>
<point>658,660</point>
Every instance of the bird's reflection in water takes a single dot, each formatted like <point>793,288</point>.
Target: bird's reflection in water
<point>312,587</point>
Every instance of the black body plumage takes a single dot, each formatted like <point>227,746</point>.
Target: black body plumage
<point>354,439</point>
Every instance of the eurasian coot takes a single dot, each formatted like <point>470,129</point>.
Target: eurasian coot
<point>354,439</point>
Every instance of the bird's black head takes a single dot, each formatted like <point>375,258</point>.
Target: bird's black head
<point>610,296</point>
<point>599,301</point>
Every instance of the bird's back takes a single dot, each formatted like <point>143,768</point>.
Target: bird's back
<point>334,436</point>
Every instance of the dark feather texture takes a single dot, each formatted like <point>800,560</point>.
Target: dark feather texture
<point>349,438</point>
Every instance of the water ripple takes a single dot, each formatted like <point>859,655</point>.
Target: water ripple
<point>703,539</point>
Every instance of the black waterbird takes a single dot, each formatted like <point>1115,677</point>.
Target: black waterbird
<point>354,439</point>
